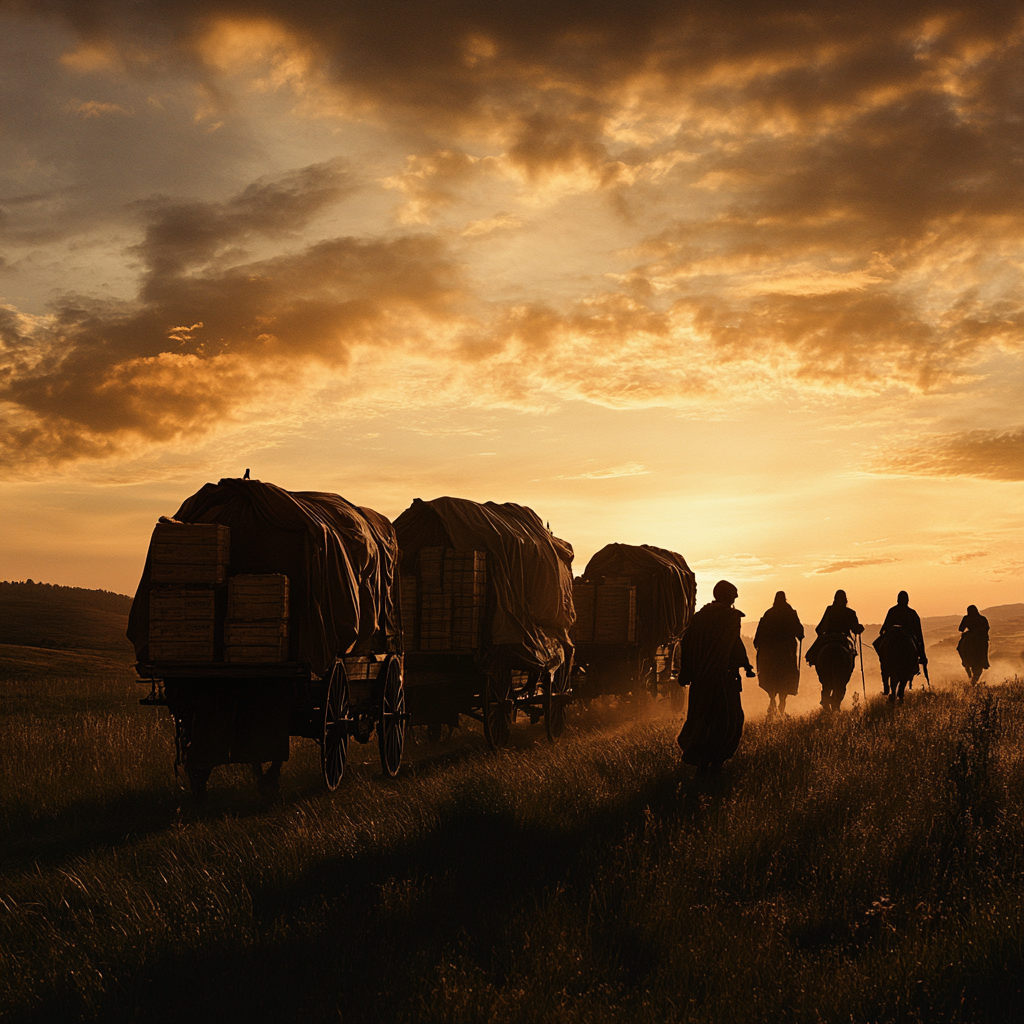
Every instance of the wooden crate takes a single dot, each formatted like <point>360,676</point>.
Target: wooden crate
<point>182,623</point>
<point>431,574</point>
<point>178,650</point>
<point>250,634</point>
<point>615,614</point>
<point>256,628</point>
<point>189,553</point>
<point>182,604</point>
<point>410,590</point>
<point>252,597</point>
<point>465,579</point>
<point>257,654</point>
<point>585,602</point>
<point>443,604</point>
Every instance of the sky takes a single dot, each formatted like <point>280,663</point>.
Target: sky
<point>742,280</point>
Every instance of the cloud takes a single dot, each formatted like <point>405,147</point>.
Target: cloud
<point>744,567</point>
<point>959,559</point>
<point>94,108</point>
<point>210,335</point>
<point>986,454</point>
<point>841,565</point>
<point>801,197</point>
<point>626,469</point>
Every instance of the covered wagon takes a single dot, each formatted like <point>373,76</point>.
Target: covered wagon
<point>633,604</point>
<point>487,607</point>
<point>264,614</point>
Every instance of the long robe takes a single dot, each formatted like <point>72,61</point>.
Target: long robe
<point>973,644</point>
<point>711,655</point>
<point>778,670</point>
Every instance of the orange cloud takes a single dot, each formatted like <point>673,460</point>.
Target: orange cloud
<point>987,454</point>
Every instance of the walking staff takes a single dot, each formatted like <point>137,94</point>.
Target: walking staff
<point>863,684</point>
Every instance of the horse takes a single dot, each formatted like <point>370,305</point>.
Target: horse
<point>834,657</point>
<point>899,658</point>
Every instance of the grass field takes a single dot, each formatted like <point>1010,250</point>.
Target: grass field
<point>869,868</point>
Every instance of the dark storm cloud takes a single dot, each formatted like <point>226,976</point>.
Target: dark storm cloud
<point>550,72</point>
<point>987,454</point>
<point>204,339</point>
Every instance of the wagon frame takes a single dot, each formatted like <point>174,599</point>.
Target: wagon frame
<point>359,696</point>
<point>616,668</point>
<point>493,698</point>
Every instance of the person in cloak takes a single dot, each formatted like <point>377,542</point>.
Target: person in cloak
<point>778,665</point>
<point>973,644</point>
<point>901,614</point>
<point>839,618</point>
<point>711,655</point>
<point>839,622</point>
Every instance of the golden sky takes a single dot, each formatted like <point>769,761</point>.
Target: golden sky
<point>739,279</point>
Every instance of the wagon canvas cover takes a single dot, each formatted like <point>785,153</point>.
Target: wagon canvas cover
<point>340,559</point>
<point>666,588</point>
<point>529,571</point>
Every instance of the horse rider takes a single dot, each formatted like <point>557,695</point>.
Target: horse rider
<point>903,616</point>
<point>778,670</point>
<point>839,624</point>
<point>973,644</point>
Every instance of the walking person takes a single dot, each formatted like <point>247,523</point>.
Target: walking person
<point>778,667</point>
<point>833,653</point>
<point>973,644</point>
<point>711,656</point>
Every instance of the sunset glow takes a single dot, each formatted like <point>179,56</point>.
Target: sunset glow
<point>742,281</point>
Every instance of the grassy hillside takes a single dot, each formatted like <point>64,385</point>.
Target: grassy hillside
<point>866,868</point>
<point>51,618</point>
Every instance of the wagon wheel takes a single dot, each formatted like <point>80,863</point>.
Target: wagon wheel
<point>391,727</point>
<point>497,710</point>
<point>334,738</point>
<point>557,701</point>
<point>646,687</point>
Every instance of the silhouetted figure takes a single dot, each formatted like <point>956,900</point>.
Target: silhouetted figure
<point>973,644</point>
<point>833,653</point>
<point>900,647</point>
<point>712,654</point>
<point>778,670</point>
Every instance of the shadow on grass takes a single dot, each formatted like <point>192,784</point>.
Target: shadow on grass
<point>351,937</point>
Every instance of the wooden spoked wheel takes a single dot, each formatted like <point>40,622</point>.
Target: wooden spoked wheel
<point>497,710</point>
<point>391,727</point>
<point>337,723</point>
<point>557,701</point>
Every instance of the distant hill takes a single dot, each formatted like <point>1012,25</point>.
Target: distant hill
<point>47,616</point>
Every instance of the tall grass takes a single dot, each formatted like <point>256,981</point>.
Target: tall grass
<point>865,868</point>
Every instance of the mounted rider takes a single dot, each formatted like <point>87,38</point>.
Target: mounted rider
<point>839,625</point>
<point>902,616</point>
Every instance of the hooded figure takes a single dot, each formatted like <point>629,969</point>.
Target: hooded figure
<point>901,614</point>
<point>712,654</point>
<point>778,670</point>
<point>973,644</point>
<point>837,629</point>
<point>839,617</point>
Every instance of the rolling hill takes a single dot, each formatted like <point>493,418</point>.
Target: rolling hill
<point>55,630</point>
